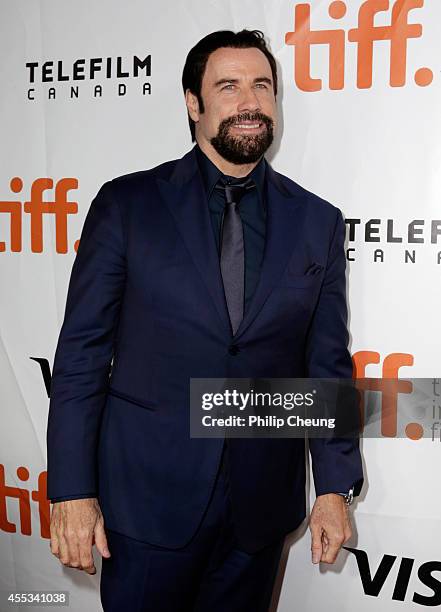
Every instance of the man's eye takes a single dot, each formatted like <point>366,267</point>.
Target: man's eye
<point>229,86</point>
<point>262,85</point>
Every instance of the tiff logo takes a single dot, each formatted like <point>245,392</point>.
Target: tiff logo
<point>24,497</point>
<point>389,385</point>
<point>364,35</point>
<point>36,207</point>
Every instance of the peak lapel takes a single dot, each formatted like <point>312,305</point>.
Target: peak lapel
<point>186,199</point>
<point>285,217</point>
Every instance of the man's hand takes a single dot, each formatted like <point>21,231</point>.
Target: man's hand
<point>76,525</point>
<point>330,527</point>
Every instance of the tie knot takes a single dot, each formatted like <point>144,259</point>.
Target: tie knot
<point>234,188</point>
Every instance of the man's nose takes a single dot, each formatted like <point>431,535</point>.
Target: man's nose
<point>248,101</point>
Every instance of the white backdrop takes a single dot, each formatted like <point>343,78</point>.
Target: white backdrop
<point>374,151</point>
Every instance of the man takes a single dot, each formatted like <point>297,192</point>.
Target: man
<point>213,265</point>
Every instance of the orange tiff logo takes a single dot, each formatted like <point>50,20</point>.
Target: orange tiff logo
<point>389,385</point>
<point>58,205</point>
<point>364,35</point>
<point>24,503</point>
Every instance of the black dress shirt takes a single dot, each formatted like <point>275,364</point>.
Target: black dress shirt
<point>252,210</point>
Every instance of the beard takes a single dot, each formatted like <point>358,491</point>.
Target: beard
<point>246,148</point>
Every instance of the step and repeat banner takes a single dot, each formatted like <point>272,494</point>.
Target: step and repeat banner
<point>92,90</point>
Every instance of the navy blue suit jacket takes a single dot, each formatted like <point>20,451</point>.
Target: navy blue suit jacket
<point>146,311</point>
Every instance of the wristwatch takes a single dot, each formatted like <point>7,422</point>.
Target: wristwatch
<point>349,496</point>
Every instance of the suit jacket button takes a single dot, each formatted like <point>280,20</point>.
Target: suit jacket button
<point>233,349</point>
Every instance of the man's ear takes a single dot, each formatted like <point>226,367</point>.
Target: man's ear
<point>192,105</point>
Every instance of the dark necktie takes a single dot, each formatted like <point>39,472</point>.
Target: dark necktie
<point>232,253</point>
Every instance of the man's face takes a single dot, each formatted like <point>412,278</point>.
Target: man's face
<point>239,104</point>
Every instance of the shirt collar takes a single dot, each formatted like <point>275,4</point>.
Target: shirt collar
<point>211,173</point>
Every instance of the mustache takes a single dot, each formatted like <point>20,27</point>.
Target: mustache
<point>261,117</point>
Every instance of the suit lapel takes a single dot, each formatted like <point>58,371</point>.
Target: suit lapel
<point>185,197</point>
<point>285,217</point>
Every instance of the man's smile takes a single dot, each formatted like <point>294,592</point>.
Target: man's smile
<point>249,126</point>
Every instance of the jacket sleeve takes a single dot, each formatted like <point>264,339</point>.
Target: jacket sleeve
<point>336,462</point>
<point>84,351</point>
<point>70,497</point>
